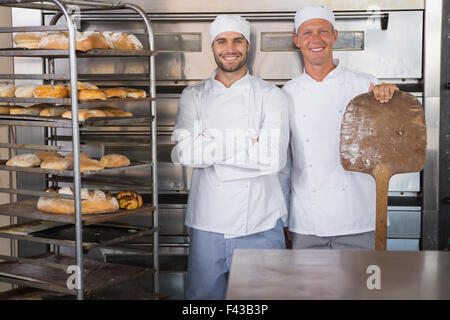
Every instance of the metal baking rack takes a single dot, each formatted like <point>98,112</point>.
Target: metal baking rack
<point>62,234</point>
<point>133,165</point>
<point>94,53</point>
<point>58,122</point>
<point>69,101</point>
<point>49,271</point>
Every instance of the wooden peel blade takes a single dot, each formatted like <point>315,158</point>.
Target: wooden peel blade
<point>383,139</point>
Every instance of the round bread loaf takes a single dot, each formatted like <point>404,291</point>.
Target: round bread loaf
<point>85,41</point>
<point>136,93</point>
<point>90,40</point>
<point>57,164</point>
<point>115,92</point>
<point>92,202</point>
<point>82,86</point>
<point>129,200</point>
<point>83,156</point>
<point>34,110</point>
<point>54,111</point>
<point>91,94</point>
<point>28,40</point>
<point>114,161</point>
<point>97,113</point>
<point>49,91</point>
<point>128,203</point>
<point>47,155</point>
<point>7,91</point>
<point>90,165</point>
<point>24,160</point>
<point>84,114</point>
<point>118,40</point>
<point>114,112</point>
<point>24,91</point>
<point>5,109</point>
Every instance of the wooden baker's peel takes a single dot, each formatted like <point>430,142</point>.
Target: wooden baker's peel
<point>383,139</point>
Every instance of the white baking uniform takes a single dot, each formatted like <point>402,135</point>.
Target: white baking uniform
<point>234,191</point>
<point>325,199</point>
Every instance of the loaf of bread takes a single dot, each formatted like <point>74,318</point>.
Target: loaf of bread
<point>7,91</point>
<point>33,110</point>
<point>91,94</point>
<point>85,41</point>
<point>54,40</point>
<point>114,112</point>
<point>115,92</point>
<point>54,111</point>
<point>137,45</point>
<point>83,156</point>
<point>122,41</point>
<point>92,202</point>
<point>88,40</point>
<point>5,109</point>
<point>129,200</point>
<point>57,164</point>
<point>24,91</point>
<point>82,86</point>
<point>24,160</point>
<point>28,40</point>
<point>136,93</point>
<point>47,155</point>
<point>114,161</point>
<point>50,91</point>
<point>84,114</point>
<point>90,165</point>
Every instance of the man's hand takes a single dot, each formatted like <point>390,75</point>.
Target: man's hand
<point>383,92</point>
<point>287,238</point>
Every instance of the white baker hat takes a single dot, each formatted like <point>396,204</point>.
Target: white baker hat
<point>314,12</point>
<point>229,22</point>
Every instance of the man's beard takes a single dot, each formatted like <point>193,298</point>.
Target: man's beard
<point>222,67</point>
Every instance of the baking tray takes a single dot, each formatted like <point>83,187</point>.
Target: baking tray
<point>133,165</point>
<point>80,77</point>
<point>96,274</point>
<point>117,183</point>
<point>58,122</point>
<point>22,52</point>
<point>68,100</point>
<point>51,232</point>
<point>28,209</point>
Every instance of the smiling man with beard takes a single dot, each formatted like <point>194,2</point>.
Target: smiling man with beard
<point>232,128</point>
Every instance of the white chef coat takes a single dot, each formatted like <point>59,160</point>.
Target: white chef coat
<point>325,199</point>
<point>235,193</point>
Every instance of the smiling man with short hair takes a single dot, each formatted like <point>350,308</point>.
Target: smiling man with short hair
<point>330,208</point>
<point>232,128</point>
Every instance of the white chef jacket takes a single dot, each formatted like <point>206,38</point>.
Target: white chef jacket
<point>325,199</point>
<point>234,191</point>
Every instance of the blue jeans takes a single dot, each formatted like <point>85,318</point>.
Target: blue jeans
<point>210,259</point>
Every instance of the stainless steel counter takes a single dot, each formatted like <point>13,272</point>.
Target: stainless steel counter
<point>317,274</point>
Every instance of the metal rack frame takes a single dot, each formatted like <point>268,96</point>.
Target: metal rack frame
<point>62,9</point>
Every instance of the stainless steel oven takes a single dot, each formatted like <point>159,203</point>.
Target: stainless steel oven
<point>384,38</point>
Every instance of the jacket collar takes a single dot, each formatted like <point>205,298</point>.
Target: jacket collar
<point>332,74</point>
<point>217,86</point>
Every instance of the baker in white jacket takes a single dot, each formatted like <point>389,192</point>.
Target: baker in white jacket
<point>330,208</point>
<point>233,129</point>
